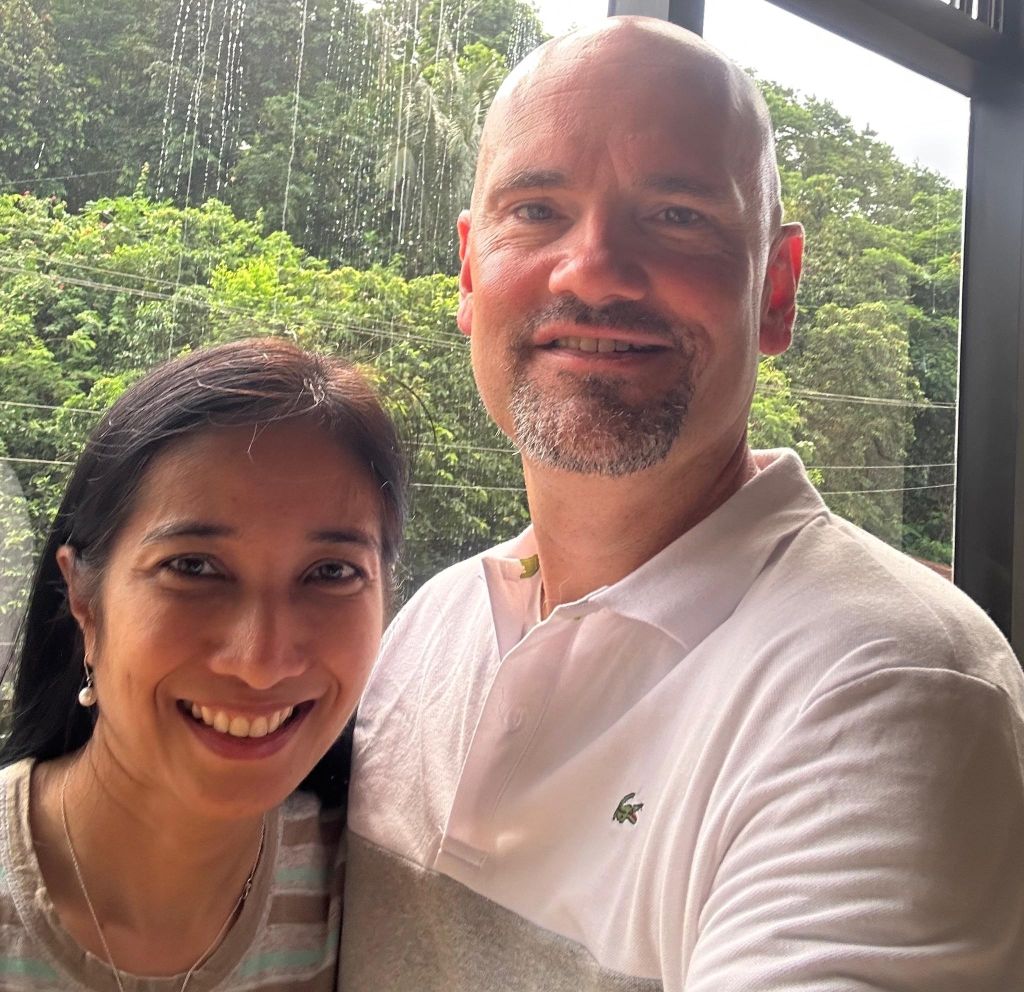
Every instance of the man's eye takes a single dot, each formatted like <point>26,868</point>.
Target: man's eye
<point>680,216</point>
<point>333,571</point>
<point>193,566</point>
<point>533,211</point>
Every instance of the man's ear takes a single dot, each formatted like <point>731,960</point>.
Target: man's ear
<point>464,317</point>
<point>778,308</point>
<point>79,604</point>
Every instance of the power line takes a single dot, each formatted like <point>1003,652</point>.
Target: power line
<point>105,270</point>
<point>880,467</point>
<point>449,446</point>
<point>522,489</point>
<point>453,446</point>
<point>46,179</point>
<point>33,461</point>
<point>49,406</point>
<point>467,485</point>
<point>442,337</point>
<point>814,394</point>
<point>211,306</point>
<point>902,489</point>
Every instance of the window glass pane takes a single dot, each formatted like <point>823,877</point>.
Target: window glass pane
<point>194,170</point>
<point>185,172</point>
<point>874,160</point>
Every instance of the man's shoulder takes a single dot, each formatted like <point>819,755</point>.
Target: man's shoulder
<point>453,581</point>
<point>453,601</point>
<point>845,584</point>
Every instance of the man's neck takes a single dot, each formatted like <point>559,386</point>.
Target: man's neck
<point>592,531</point>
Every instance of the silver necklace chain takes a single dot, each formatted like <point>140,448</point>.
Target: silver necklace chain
<point>95,919</point>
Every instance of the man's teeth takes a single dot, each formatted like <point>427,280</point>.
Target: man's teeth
<point>241,726</point>
<point>601,345</point>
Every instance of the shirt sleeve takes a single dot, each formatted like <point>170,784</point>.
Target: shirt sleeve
<point>878,846</point>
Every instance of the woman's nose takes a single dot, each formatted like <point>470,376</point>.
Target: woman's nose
<point>263,643</point>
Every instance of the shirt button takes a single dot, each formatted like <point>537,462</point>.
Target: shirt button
<point>514,719</point>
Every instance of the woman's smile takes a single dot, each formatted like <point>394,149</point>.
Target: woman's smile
<point>239,736</point>
<point>238,723</point>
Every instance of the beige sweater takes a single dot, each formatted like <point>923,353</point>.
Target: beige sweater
<point>286,936</point>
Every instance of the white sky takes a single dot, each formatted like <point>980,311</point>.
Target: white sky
<point>922,120</point>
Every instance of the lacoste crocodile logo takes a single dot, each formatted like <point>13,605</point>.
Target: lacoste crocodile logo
<point>627,811</point>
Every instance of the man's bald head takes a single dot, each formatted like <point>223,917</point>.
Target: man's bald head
<point>615,53</point>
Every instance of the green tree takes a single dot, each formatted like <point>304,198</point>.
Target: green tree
<point>447,28</point>
<point>868,345</point>
<point>879,232</point>
<point>41,124</point>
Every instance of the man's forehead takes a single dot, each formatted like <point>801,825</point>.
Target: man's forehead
<point>631,87</point>
<point>556,133</point>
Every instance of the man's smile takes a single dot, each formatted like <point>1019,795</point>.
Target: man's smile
<point>600,345</point>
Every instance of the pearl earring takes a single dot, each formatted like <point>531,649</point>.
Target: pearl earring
<point>87,694</point>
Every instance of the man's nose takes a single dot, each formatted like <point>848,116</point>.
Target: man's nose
<point>263,642</point>
<point>601,264</point>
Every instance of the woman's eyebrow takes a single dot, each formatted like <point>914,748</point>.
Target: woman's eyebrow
<point>187,528</point>
<point>200,528</point>
<point>346,535</point>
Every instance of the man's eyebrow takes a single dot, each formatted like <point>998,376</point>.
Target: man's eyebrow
<point>683,184</point>
<point>526,179</point>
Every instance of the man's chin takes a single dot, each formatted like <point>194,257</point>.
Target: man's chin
<point>593,430</point>
<point>588,445</point>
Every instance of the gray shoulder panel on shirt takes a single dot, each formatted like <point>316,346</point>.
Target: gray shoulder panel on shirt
<point>411,930</point>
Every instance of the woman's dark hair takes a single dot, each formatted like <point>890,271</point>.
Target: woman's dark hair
<point>257,381</point>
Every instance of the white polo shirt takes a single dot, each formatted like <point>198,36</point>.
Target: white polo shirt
<point>777,756</point>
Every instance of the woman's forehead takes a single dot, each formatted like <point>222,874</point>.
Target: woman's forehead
<point>292,471</point>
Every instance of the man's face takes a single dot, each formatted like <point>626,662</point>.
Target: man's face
<point>614,266</point>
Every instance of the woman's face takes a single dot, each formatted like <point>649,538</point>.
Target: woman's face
<point>238,616</point>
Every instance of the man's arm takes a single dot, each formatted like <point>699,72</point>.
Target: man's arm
<point>879,846</point>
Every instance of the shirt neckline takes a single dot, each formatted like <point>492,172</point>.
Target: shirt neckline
<point>696,582</point>
<point>40,918</point>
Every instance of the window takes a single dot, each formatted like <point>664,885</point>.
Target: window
<point>189,171</point>
<point>878,184</point>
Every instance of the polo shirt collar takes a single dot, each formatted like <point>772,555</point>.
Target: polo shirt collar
<point>690,587</point>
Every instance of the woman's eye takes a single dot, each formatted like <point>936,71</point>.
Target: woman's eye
<point>333,571</point>
<point>533,211</point>
<point>192,566</point>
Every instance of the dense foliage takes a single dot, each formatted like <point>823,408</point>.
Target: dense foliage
<point>296,167</point>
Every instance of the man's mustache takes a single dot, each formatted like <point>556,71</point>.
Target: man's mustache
<point>623,315</point>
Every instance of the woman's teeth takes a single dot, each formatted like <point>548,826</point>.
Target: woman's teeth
<point>240,726</point>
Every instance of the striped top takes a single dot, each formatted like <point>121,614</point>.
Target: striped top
<point>285,938</point>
